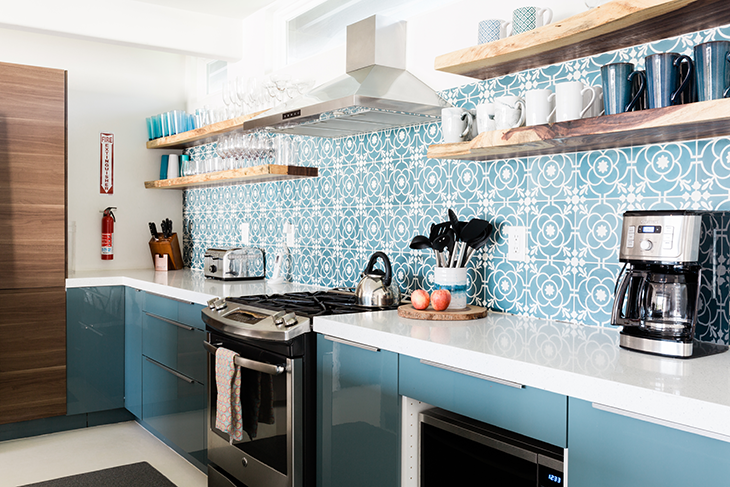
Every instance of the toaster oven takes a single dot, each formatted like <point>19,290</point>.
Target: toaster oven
<point>235,263</point>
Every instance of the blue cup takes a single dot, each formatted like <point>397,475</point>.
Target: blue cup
<point>663,78</point>
<point>712,69</point>
<point>618,81</point>
<point>163,166</point>
<point>150,128</point>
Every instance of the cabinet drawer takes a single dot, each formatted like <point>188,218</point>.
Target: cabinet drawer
<point>176,345</point>
<point>171,309</point>
<point>532,412</point>
<point>174,406</point>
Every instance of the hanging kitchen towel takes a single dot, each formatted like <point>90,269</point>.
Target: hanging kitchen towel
<point>257,400</point>
<point>228,388</point>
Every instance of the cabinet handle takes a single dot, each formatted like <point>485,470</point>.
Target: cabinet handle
<point>173,372</point>
<point>489,378</point>
<point>352,344</point>
<point>172,322</point>
<point>661,422</point>
<point>184,301</point>
<point>270,369</point>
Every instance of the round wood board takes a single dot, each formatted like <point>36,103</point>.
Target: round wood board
<point>468,313</point>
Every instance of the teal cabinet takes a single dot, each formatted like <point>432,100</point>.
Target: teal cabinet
<point>531,412</point>
<point>94,349</point>
<point>358,416</point>
<point>608,450</point>
<point>133,304</point>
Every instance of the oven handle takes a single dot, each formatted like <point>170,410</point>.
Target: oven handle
<point>250,364</point>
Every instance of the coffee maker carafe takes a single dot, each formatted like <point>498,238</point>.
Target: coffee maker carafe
<point>657,297</point>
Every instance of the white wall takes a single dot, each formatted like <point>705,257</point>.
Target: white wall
<point>110,89</point>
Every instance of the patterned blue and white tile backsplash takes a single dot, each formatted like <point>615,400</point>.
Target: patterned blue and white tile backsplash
<point>376,191</point>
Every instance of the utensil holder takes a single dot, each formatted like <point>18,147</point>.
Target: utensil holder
<point>452,279</point>
<point>169,246</point>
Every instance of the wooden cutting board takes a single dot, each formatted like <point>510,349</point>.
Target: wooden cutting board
<point>468,313</point>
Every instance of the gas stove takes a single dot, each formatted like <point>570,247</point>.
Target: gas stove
<point>279,317</point>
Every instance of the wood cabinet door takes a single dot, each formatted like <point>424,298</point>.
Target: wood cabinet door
<point>32,176</point>
<point>32,354</point>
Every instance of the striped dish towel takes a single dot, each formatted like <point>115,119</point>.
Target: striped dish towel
<point>228,416</point>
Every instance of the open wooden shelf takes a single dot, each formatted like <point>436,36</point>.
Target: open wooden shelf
<point>682,122</point>
<point>200,136</point>
<point>247,175</point>
<point>614,25</point>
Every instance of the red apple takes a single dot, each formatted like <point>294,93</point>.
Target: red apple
<point>440,299</point>
<point>419,299</point>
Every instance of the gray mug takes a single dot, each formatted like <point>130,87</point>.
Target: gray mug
<point>663,74</point>
<point>712,70</point>
<point>618,81</point>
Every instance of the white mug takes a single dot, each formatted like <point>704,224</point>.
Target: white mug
<point>509,112</point>
<point>456,124</point>
<point>569,102</point>
<point>539,106</point>
<point>597,107</point>
<point>485,118</point>
<point>173,166</point>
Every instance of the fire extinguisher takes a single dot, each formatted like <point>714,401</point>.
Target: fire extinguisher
<point>107,234</point>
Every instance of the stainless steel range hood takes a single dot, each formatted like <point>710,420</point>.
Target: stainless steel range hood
<point>376,93</point>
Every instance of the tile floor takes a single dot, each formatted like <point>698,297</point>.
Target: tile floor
<point>46,457</point>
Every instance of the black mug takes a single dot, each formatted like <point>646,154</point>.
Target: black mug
<point>665,80</point>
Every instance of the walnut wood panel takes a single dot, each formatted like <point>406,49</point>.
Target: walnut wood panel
<point>32,329</point>
<point>32,394</point>
<point>256,174</point>
<point>614,25</point>
<point>683,122</point>
<point>200,136</point>
<point>32,176</point>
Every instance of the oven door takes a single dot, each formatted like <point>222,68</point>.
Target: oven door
<point>269,455</point>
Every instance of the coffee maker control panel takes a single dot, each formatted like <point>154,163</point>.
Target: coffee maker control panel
<point>660,237</point>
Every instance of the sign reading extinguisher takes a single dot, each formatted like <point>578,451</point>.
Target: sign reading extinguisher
<point>106,161</point>
<point>107,234</point>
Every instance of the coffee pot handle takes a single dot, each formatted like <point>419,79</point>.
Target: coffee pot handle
<point>616,318</point>
<point>386,262</point>
<point>685,82</point>
<point>642,86</point>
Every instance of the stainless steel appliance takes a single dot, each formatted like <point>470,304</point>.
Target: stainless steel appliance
<point>271,335</point>
<point>456,450</point>
<point>374,288</point>
<point>671,265</point>
<point>236,263</point>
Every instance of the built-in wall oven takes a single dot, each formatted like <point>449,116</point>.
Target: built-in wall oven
<point>456,450</point>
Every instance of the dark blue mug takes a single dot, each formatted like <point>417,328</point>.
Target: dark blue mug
<point>617,79</point>
<point>663,74</point>
<point>712,69</point>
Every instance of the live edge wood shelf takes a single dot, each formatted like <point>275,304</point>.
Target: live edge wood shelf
<point>203,135</point>
<point>256,174</point>
<point>614,25</point>
<point>682,122</point>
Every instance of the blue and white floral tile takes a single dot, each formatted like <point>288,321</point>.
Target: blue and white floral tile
<point>603,174</point>
<point>549,290</point>
<point>505,286</point>
<point>552,176</point>
<point>595,292</point>
<point>552,232</point>
<point>506,180</point>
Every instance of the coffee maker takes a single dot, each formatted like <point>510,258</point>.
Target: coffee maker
<point>670,280</point>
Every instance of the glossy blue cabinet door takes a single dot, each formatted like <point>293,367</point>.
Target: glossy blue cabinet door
<point>608,450</point>
<point>174,405</point>
<point>133,303</point>
<point>94,349</point>
<point>358,416</point>
<point>176,345</point>
<point>531,412</point>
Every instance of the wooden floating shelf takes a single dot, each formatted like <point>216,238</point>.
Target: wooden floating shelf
<point>683,122</point>
<point>615,25</point>
<point>246,175</point>
<point>200,136</point>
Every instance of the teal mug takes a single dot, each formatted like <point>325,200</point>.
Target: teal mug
<point>664,78</point>
<point>529,18</point>
<point>618,91</point>
<point>712,69</point>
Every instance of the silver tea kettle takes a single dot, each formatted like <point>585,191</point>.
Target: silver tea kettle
<point>374,287</point>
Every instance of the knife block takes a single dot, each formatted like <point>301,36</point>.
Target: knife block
<point>169,247</point>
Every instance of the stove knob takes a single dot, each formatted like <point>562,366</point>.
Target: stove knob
<point>244,462</point>
<point>646,245</point>
<point>213,269</point>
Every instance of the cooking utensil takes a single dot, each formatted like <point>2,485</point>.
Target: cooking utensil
<point>442,242</point>
<point>422,242</point>
<point>374,288</point>
<point>477,243</point>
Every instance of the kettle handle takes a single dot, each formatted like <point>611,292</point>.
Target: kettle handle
<point>388,271</point>
<point>618,298</point>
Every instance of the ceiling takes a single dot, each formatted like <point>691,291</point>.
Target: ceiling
<point>238,9</point>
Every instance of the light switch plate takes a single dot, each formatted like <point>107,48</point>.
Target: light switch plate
<point>290,236</point>
<point>517,243</point>
<point>245,234</point>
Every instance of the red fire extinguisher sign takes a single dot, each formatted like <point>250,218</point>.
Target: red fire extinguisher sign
<point>107,234</point>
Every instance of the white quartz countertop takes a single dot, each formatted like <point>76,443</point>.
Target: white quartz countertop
<point>580,361</point>
<point>183,284</point>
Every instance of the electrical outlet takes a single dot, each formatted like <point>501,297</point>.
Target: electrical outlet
<point>245,234</point>
<point>290,236</point>
<point>517,243</point>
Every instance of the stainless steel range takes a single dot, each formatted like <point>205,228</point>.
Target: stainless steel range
<point>271,335</point>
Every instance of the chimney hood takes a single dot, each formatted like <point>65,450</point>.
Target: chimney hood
<point>376,93</point>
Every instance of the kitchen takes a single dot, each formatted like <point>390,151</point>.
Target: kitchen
<point>571,203</point>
